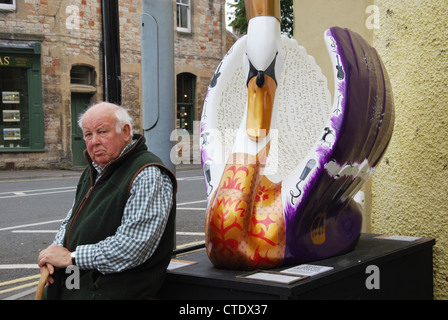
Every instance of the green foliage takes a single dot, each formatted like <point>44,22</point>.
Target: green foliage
<point>239,21</point>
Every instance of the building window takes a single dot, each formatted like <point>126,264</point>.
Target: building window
<point>81,75</point>
<point>21,117</point>
<point>186,83</point>
<point>183,17</point>
<point>9,5</point>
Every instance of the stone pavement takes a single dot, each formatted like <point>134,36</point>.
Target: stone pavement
<point>37,174</point>
<point>54,173</point>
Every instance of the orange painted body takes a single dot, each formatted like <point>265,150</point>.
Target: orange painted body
<point>245,224</point>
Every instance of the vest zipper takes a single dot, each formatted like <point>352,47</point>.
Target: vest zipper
<point>75,216</point>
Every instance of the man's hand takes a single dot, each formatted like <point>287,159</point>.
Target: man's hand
<point>54,257</point>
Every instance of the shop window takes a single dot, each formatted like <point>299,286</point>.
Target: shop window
<point>8,5</point>
<point>21,122</point>
<point>186,83</point>
<point>183,17</point>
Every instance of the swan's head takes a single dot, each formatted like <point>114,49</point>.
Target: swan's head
<point>261,64</point>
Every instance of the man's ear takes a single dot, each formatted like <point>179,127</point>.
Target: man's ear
<point>126,131</point>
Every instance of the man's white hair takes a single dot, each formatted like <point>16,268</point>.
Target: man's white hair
<point>121,114</point>
<point>123,118</point>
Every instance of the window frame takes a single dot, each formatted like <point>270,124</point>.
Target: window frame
<point>8,6</point>
<point>188,106</point>
<point>82,70</point>
<point>188,6</point>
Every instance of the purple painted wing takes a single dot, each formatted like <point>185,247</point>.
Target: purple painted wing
<point>325,223</point>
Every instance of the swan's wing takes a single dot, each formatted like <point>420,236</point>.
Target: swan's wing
<point>303,107</point>
<point>369,110</point>
<point>362,127</point>
<point>223,110</point>
<point>368,121</point>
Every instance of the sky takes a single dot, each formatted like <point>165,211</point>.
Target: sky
<point>228,13</point>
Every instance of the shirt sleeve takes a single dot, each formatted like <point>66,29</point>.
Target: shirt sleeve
<point>143,223</point>
<point>59,238</point>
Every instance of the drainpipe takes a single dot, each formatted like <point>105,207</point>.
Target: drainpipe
<point>111,51</point>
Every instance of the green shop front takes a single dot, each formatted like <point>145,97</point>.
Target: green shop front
<point>21,117</point>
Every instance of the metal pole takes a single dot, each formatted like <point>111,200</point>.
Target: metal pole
<point>111,51</point>
<point>158,77</point>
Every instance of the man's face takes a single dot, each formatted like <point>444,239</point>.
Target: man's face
<point>103,142</point>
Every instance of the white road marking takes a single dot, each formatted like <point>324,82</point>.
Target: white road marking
<point>30,193</point>
<point>35,231</point>
<point>19,266</point>
<point>195,178</point>
<point>191,202</point>
<point>30,225</point>
<point>190,233</point>
<point>21,294</point>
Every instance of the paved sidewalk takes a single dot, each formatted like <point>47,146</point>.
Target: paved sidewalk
<point>49,173</point>
<point>37,174</point>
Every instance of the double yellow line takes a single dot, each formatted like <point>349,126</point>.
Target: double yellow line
<point>19,280</point>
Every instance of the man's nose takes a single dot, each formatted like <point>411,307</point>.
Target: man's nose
<point>95,139</point>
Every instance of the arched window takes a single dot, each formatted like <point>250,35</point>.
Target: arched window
<point>80,74</point>
<point>186,83</point>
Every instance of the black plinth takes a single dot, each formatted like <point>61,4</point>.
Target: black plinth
<point>405,272</point>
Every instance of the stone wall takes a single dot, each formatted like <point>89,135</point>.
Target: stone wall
<point>409,187</point>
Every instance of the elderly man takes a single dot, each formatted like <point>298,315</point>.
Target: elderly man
<point>120,230</point>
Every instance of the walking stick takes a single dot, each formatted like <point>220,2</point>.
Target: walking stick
<point>41,284</point>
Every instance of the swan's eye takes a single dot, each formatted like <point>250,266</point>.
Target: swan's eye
<point>270,71</point>
<point>252,73</point>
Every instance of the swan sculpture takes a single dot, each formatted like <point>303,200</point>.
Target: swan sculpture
<point>281,184</point>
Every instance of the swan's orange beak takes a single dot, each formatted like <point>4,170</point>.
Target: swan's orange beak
<point>259,107</point>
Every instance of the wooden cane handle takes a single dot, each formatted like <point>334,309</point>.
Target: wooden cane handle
<point>41,284</point>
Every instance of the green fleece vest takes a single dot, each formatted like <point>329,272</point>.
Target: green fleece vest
<point>97,214</point>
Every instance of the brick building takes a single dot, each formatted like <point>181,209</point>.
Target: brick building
<point>51,67</point>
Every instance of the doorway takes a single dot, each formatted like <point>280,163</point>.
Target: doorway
<point>80,102</point>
